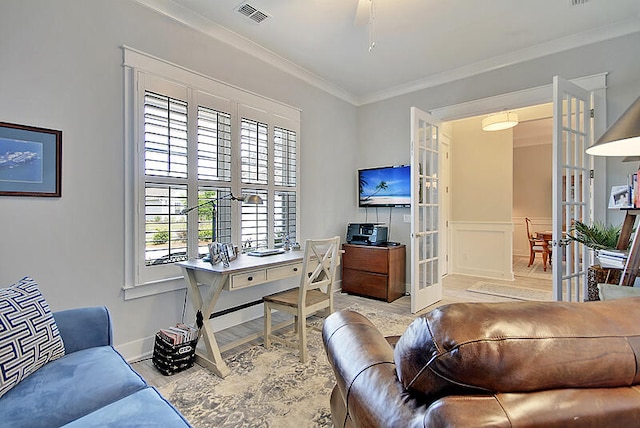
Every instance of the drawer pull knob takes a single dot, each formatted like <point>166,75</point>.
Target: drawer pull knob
<point>250,278</point>
<point>295,269</point>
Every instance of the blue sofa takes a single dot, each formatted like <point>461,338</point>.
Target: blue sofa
<point>91,385</point>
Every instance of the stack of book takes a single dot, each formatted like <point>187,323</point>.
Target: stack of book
<point>612,258</point>
<point>181,333</point>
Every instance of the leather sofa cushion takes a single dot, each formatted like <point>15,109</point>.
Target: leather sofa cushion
<point>521,347</point>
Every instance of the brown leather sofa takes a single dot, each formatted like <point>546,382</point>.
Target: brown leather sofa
<point>525,364</point>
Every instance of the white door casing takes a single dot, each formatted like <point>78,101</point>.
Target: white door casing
<point>426,284</point>
<point>571,187</point>
<point>445,202</point>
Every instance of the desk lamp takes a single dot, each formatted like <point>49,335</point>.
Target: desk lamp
<point>247,199</point>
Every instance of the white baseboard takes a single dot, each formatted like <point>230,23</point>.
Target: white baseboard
<point>141,349</point>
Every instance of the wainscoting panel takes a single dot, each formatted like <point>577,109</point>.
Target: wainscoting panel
<point>482,249</point>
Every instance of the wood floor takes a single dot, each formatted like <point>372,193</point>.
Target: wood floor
<point>454,290</point>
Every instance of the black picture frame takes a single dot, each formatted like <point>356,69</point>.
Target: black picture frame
<point>30,161</point>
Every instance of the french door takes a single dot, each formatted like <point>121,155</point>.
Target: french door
<point>571,187</point>
<point>426,284</point>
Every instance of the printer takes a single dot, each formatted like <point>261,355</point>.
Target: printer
<point>367,233</point>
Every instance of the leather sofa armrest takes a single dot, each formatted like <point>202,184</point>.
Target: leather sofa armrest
<point>84,328</point>
<point>362,360</point>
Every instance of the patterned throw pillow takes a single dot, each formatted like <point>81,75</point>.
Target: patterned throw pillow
<point>29,336</point>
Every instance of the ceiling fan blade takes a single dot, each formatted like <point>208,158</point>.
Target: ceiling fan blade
<point>362,12</point>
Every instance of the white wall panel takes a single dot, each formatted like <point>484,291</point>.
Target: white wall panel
<point>482,249</point>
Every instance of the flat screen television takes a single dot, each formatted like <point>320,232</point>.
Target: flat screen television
<point>388,186</point>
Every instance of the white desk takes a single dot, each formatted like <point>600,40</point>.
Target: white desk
<point>245,271</point>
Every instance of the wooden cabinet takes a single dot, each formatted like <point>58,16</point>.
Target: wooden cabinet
<point>377,272</point>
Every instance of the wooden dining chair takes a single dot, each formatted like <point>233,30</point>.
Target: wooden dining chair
<point>315,293</point>
<point>537,245</point>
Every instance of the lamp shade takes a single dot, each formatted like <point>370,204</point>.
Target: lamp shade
<point>623,137</point>
<point>253,199</point>
<point>499,121</point>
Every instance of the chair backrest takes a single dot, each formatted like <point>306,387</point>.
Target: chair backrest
<point>527,221</point>
<point>321,260</point>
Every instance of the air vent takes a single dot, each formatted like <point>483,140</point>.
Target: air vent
<point>252,13</point>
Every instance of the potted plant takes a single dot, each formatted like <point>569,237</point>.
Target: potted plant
<point>597,236</point>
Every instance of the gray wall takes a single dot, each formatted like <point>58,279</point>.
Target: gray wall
<point>61,68</point>
<point>385,124</point>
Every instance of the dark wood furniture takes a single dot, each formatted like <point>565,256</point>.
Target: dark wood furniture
<point>537,244</point>
<point>374,271</point>
<point>633,260</point>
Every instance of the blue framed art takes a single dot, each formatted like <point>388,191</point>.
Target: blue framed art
<point>30,161</point>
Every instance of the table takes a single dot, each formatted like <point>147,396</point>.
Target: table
<point>547,235</point>
<point>245,271</point>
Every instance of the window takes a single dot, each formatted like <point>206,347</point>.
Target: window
<point>198,143</point>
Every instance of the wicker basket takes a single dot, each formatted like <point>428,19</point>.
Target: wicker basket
<point>599,275</point>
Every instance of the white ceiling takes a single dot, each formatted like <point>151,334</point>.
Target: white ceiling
<point>419,43</point>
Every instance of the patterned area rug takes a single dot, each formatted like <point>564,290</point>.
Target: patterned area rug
<point>536,270</point>
<point>511,291</point>
<point>268,388</point>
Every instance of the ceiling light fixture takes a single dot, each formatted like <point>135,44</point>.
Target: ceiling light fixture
<point>623,137</point>
<point>499,121</point>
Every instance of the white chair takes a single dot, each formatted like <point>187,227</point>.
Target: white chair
<point>321,260</point>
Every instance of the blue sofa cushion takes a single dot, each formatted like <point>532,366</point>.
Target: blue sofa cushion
<point>29,337</point>
<point>145,408</point>
<point>83,328</point>
<point>69,388</point>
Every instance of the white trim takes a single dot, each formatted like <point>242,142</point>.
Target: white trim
<point>141,72</point>
<point>137,350</point>
<point>217,31</point>
<point>149,63</point>
<point>472,244</point>
<point>513,100</point>
<point>596,83</point>
<point>630,26</point>
<point>151,288</point>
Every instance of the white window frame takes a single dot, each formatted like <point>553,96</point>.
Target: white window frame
<point>144,72</point>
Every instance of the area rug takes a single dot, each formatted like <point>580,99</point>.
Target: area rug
<point>536,270</point>
<point>511,291</point>
<point>268,387</point>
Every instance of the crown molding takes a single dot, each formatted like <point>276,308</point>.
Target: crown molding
<point>187,17</point>
<point>217,31</point>
<point>626,27</point>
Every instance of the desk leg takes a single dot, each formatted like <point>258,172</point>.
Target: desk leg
<point>212,359</point>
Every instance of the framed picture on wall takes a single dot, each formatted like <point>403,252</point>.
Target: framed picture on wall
<point>30,161</point>
<point>619,197</point>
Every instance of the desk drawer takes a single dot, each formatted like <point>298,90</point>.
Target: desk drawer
<point>247,279</point>
<point>286,271</point>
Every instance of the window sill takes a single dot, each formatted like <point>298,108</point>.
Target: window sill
<point>152,288</point>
